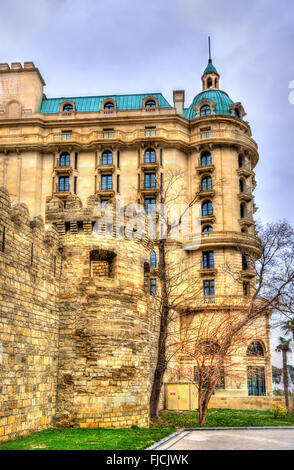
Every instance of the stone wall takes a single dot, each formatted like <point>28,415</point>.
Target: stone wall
<point>30,266</point>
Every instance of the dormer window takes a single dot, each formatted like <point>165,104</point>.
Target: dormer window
<point>237,113</point>
<point>109,105</point>
<point>205,110</point>
<point>150,104</point>
<point>67,108</point>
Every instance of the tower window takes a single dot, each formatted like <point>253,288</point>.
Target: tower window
<point>207,209</point>
<point>152,286</point>
<point>207,260</point>
<point>149,180</point>
<point>102,263</point>
<point>106,158</point>
<point>149,202</point>
<point>208,290</point>
<point>206,159</point>
<point>205,110</point>
<point>106,182</point>
<point>153,260</point>
<point>64,159</point>
<point>245,288</point>
<point>63,184</point>
<point>206,184</point>
<point>150,156</point>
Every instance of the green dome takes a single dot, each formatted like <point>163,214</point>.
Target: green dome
<point>210,68</point>
<point>222,100</point>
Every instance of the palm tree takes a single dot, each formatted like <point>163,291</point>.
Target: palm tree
<point>288,327</point>
<point>284,346</point>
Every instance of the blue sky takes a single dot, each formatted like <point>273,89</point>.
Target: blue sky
<point>92,47</point>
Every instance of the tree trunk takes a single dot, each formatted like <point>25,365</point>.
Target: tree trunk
<point>285,379</point>
<point>161,353</point>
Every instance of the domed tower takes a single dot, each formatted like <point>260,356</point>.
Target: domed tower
<point>222,161</point>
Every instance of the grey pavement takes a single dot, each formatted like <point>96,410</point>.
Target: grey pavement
<point>230,439</point>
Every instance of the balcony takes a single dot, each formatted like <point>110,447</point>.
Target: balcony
<point>61,194</point>
<point>105,166</point>
<point>224,137</point>
<point>245,170</point>
<point>247,220</point>
<point>209,218</point>
<point>220,239</point>
<point>204,168</point>
<point>207,269</point>
<point>149,166</point>
<point>246,194</point>
<point>208,192</point>
<point>209,299</point>
<point>63,170</point>
<point>105,190</point>
<point>148,190</point>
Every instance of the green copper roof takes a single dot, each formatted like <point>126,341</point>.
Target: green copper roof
<point>222,100</point>
<point>210,68</point>
<point>90,104</point>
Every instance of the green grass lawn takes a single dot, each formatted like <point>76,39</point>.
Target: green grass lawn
<point>141,438</point>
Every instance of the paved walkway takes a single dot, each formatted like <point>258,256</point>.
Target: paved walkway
<point>231,439</point>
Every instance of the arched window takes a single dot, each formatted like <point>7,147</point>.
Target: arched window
<point>242,211</point>
<point>206,183</point>
<point>150,104</point>
<point>206,159</point>
<point>150,156</point>
<point>208,347</point>
<point>240,161</point>
<point>241,186</point>
<point>237,113</point>
<point>153,260</point>
<point>205,110</point>
<point>207,229</point>
<point>207,208</point>
<point>209,82</point>
<point>255,349</point>
<point>67,107</point>
<point>106,158</point>
<point>109,105</point>
<point>64,159</point>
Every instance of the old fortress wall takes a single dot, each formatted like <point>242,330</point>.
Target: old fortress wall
<point>79,320</point>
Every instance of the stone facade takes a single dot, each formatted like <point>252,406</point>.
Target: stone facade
<point>78,327</point>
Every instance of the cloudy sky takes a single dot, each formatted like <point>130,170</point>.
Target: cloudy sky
<point>92,47</point>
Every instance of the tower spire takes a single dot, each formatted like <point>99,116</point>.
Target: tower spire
<point>209,50</point>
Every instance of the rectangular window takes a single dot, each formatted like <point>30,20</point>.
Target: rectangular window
<point>150,131</point>
<point>208,290</point>
<point>152,286</point>
<point>54,266</point>
<point>66,135</point>
<point>244,262</point>
<point>63,184</point>
<point>245,289</point>
<point>108,133</point>
<point>256,381</point>
<point>75,185</point>
<point>205,133</point>
<point>160,156</point>
<point>106,182</point>
<point>207,260</point>
<point>149,180</point>
<point>118,158</point>
<point>148,202</point>
<point>106,158</point>
<point>117,183</point>
<point>76,160</point>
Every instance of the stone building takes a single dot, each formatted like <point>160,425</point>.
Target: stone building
<point>77,329</point>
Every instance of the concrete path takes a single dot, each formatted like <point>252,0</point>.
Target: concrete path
<point>230,439</point>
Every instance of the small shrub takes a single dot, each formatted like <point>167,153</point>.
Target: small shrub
<point>279,411</point>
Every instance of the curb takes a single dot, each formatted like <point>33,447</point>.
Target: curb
<point>168,438</point>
